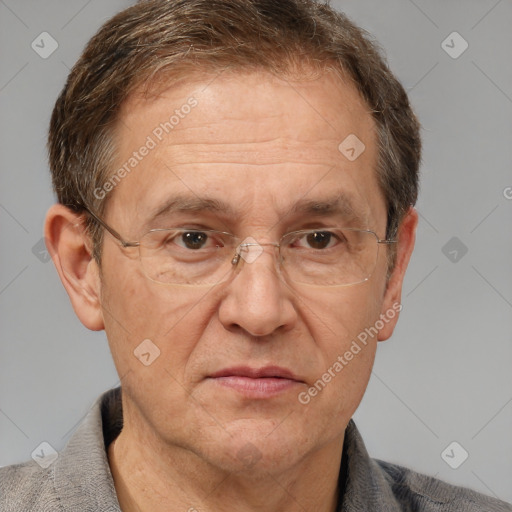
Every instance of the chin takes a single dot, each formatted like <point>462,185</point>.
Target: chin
<point>257,448</point>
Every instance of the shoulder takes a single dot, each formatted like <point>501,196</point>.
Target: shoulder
<point>76,479</point>
<point>27,487</point>
<point>427,494</point>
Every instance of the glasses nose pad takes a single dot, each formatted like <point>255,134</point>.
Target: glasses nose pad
<point>250,250</point>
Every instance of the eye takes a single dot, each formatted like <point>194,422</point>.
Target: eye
<point>193,240</point>
<point>186,241</point>
<point>317,240</point>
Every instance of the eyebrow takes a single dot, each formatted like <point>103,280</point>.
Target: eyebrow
<point>183,203</point>
<point>339,204</point>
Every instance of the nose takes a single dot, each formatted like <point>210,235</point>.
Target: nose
<point>257,300</point>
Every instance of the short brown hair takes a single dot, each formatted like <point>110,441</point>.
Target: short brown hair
<point>166,38</point>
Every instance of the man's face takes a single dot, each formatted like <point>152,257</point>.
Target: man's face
<point>261,145</point>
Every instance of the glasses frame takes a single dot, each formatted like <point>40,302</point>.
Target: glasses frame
<point>237,256</point>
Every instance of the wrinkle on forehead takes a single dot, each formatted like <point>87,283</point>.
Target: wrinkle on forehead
<point>254,140</point>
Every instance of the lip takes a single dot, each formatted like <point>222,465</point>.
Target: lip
<point>261,382</point>
<point>256,373</point>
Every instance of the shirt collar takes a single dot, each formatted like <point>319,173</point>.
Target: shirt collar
<point>82,476</point>
<point>366,485</point>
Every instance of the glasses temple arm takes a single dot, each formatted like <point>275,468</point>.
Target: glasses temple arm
<point>112,231</point>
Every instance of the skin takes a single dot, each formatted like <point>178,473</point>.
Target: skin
<point>261,143</point>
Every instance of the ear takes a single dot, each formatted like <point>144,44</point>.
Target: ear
<point>393,294</point>
<point>71,250</point>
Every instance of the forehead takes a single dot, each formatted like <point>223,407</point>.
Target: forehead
<point>255,140</point>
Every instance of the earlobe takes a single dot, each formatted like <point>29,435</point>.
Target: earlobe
<point>70,248</point>
<point>391,304</point>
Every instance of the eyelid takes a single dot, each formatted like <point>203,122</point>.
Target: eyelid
<point>300,233</point>
<point>194,227</point>
<point>327,227</point>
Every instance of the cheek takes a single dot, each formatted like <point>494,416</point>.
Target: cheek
<point>137,309</point>
<point>337,316</point>
<point>342,323</point>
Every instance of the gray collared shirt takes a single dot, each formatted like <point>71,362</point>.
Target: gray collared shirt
<point>79,480</point>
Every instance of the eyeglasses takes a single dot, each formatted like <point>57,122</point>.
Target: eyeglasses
<point>334,256</point>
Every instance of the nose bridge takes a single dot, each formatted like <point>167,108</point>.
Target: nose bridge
<point>260,274</point>
<point>250,250</point>
<point>257,299</point>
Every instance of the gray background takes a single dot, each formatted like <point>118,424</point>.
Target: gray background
<point>446,373</point>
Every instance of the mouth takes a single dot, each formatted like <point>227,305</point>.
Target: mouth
<point>262,382</point>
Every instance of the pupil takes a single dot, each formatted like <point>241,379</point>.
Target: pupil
<point>194,240</point>
<point>319,239</point>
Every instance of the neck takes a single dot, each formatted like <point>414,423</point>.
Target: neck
<point>153,476</point>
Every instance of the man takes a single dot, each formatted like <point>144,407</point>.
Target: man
<point>236,181</point>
